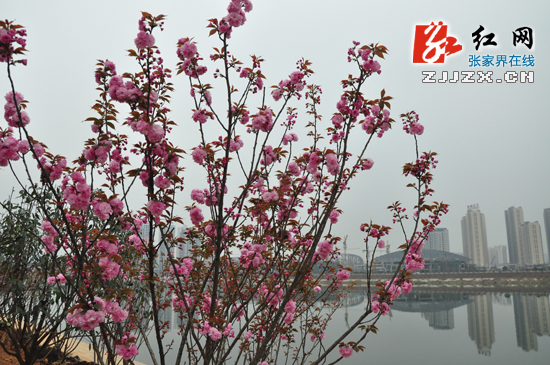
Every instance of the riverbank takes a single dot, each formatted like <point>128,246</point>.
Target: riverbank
<point>464,281</point>
<point>81,355</point>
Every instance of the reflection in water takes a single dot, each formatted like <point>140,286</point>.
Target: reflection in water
<point>531,312</point>
<point>502,299</point>
<point>481,326</point>
<point>532,316</point>
<point>443,320</point>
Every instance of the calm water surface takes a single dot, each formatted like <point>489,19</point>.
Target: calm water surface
<point>459,328</point>
<point>450,328</point>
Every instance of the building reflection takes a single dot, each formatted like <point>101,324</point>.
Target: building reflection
<point>481,325</point>
<point>443,320</point>
<point>531,314</point>
<point>532,318</point>
<point>436,308</point>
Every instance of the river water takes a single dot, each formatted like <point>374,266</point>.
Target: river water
<point>458,328</point>
<point>427,327</point>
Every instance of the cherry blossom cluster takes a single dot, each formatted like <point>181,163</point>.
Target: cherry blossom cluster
<point>411,124</point>
<point>421,167</point>
<point>91,318</point>
<point>391,290</point>
<point>367,164</point>
<point>365,57</point>
<point>377,121</point>
<point>109,269</point>
<point>106,70</point>
<point>235,17</point>
<point>325,249</point>
<point>127,348</point>
<point>413,260</point>
<point>263,121</point>
<point>13,109</point>
<point>254,74</point>
<point>184,269</point>
<point>189,56</point>
<point>123,92</point>
<point>345,351</point>
<point>78,193</point>
<point>10,147</point>
<point>49,237</point>
<point>251,255</point>
<point>374,231</point>
<point>12,42</point>
<point>214,333</point>
<point>294,84</point>
<point>54,279</point>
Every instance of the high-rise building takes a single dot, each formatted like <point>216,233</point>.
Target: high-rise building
<point>498,255</point>
<point>474,236</point>
<point>144,233</point>
<point>184,249</point>
<point>438,240</point>
<point>524,239</point>
<point>546,219</point>
<point>514,220</point>
<point>532,243</point>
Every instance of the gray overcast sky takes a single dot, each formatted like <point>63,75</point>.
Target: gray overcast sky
<point>492,138</point>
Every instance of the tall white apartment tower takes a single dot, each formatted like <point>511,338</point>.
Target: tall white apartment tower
<point>546,219</point>
<point>438,240</point>
<point>514,220</point>
<point>532,243</point>
<point>474,236</point>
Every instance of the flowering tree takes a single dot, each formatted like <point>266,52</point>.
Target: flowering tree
<point>31,308</point>
<point>261,266</point>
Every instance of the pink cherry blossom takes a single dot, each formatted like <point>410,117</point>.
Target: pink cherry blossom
<point>161,182</point>
<point>342,275</point>
<point>199,155</point>
<point>61,278</point>
<point>156,208</point>
<point>416,129</point>
<point>110,268</point>
<point>103,210</point>
<point>334,216</point>
<point>197,195</point>
<point>78,195</point>
<point>144,40</point>
<point>324,249</point>
<point>345,351</point>
<point>196,215</point>
<point>332,163</point>
<point>11,108</point>
<point>367,164</point>
<point>127,352</point>
<point>187,50</point>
